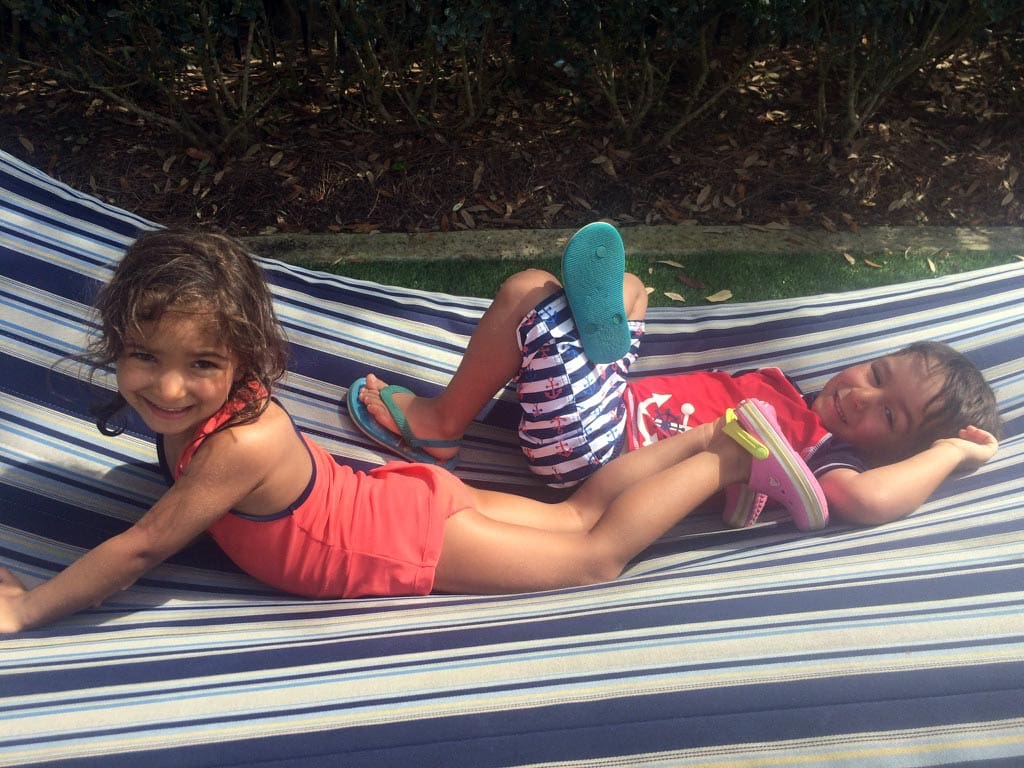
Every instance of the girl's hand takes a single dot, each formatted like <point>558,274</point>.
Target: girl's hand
<point>11,590</point>
<point>976,445</point>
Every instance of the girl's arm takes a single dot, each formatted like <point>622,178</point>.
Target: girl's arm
<point>212,486</point>
<point>113,565</point>
<point>890,492</point>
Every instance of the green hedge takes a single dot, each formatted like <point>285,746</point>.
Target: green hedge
<point>208,70</point>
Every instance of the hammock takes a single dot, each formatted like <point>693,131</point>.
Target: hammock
<point>900,645</point>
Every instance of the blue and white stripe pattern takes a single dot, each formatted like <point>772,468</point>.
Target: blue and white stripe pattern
<point>573,412</point>
<point>901,645</point>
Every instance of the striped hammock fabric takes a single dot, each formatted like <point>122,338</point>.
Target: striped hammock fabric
<point>901,645</point>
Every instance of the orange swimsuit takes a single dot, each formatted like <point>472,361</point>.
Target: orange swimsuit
<point>349,534</point>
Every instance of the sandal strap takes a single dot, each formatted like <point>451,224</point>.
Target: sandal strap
<point>751,444</point>
<point>387,397</point>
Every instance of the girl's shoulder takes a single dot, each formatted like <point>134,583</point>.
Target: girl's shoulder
<point>251,445</point>
<point>266,432</point>
<point>266,456</point>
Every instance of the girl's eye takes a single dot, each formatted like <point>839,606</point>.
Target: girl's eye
<point>137,354</point>
<point>875,377</point>
<point>889,417</point>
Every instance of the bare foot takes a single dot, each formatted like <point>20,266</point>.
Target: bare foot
<point>420,414</point>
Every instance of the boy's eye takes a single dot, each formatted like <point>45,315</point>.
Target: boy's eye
<point>875,377</point>
<point>138,354</point>
<point>890,418</point>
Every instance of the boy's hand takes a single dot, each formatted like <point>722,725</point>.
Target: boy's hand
<point>11,590</point>
<point>976,445</point>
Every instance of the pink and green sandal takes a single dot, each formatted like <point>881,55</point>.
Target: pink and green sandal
<point>742,506</point>
<point>777,471</point>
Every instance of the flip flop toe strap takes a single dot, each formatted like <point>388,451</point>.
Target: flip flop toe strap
<point>387,396</point>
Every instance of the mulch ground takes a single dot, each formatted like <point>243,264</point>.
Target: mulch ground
<point>947,152</point>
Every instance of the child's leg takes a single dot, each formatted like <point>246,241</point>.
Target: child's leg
<point>583,509</point>
<point>491,360</point>
<point>634,502</point>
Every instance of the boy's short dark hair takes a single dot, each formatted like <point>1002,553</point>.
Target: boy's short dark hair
<point>964,399</point>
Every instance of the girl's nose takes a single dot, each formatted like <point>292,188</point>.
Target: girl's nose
<point>171,386</point>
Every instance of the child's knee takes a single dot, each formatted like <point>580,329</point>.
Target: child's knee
<point>527,289</point>
<point>634,294</point>
<point>529,281</point>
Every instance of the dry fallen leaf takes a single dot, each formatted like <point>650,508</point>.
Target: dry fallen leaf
<point>697,285</point>
<point>873,264</point>
<point>670,263</point>
<point>363,227</point>
<point>849,259</point>
<point>649,289</point>
<point>931,265</point>
<point>550,211</point>
<point>198,154</point>
<point>674,296</point>
<point>27,145</point>
<point>723,295</point>
<point>276,159</point>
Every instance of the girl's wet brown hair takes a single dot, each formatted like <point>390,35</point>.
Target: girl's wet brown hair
<point>209,273</point>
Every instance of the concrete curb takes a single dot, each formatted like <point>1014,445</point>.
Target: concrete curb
<point>661,241</point>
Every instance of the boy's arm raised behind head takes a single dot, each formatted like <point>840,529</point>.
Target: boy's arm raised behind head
<point>889,492</point>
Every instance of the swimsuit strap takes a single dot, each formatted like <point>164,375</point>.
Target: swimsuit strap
<point>246,395</point>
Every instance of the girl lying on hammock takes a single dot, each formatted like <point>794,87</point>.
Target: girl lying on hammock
<point>187,320</point>
<point>880,436</point>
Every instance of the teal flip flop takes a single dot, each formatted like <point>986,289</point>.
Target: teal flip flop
<point>406,445</point>
<point>593,270</point>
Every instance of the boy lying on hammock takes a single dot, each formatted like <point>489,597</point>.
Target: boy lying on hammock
<point>880,436</point>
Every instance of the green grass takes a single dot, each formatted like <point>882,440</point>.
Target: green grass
<point>748,277</point>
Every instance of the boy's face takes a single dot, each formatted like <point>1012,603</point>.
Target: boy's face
<point>879,406</point>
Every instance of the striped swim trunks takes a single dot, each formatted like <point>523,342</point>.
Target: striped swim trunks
<point>573,415</point>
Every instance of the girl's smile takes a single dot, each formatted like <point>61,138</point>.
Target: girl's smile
<point>178,373</point>
<point>166,413</point>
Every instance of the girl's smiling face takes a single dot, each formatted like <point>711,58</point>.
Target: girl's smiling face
<point>177,373</point>
<point>880,406</point>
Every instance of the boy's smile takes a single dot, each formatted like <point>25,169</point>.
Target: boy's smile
<point>177,374</point>
<point>879,406</point>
